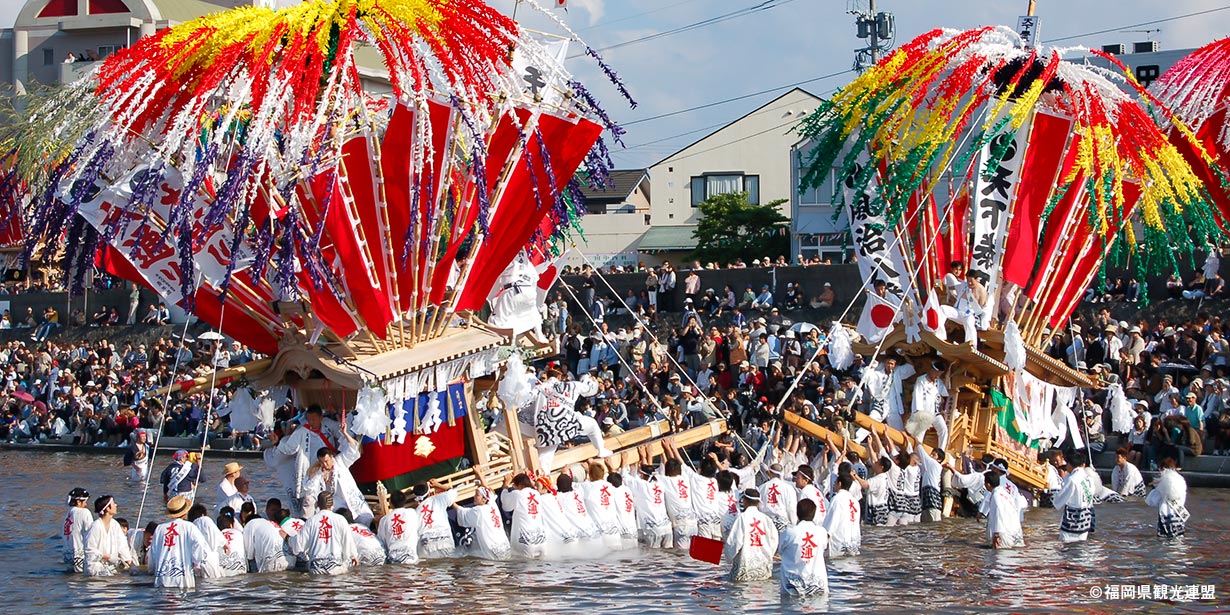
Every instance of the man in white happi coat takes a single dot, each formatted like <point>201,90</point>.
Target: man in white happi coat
<point>226,487</point>
<point>843,521</point>
<point>367,545</point>
<point>177,549</point>
<point>967,296</point>
<point>529,532</point>
<point>778,498</point>
<point>77,522</point>
<point>331,474</point>
<point>327,543</point>
<point>927,406</point>
<point>556,420</point>
<point>1125,478</point>
<point>265,543</point>
<point>293,455</point>
<point>652,521</point>
<point>1075,501</point>
<point>751,543</point>
<point>1003,509</point>
<point>399,530</point>
<point>487,524</point>
<point>435,533</point>
<point>138,455</point>
<point>883,382</point>
<point>679,498</point>
<point>107,552</point>
<point>603,506</point>
<point>802,550</point>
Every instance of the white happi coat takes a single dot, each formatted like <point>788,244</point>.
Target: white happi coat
<point>1126,480</point>
<point>572,503</point>
<point>106,546</point>
<point>399,530</point>
<point>708,504</point>
<point>778,500</point>
<point>1078,494</point>
<point>626,514</point>
<point>292,457</point>
<point>266,547</point>
<point>327,543</point>
<point>140,467</point>
<point>1003,511</point>
<point>750,546</point>
<point>514,297</point>
<point>1170,498</point>
<point>678,491</point>
<point>885,391</point>
<point>600,501</point>
<point>843,524</point>
<point>435,534</point>
<point>810,492</point>
<point>76,523</point>
<point>555,416</point>
<point>233,555</point>
<point>211,568</point>
<point>490,541</point>
<point>652,522</point>
<point>562,535</point>
<point>926,406</point>
<point>529,531</point>
<point>177,549</point>
<point>371,551</point>
<point>802,550</point>
<point>346,492</point>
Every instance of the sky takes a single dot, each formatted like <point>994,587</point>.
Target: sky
<point>792,41</point>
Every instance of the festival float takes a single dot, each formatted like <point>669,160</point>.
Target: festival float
<point>1032,171</point>
<point>239,166</point>
<point>1197,91</point>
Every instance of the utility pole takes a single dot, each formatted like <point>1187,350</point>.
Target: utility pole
<point>878,28</point>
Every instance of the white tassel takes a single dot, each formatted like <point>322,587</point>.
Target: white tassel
<point>841,356</point>
<point>371,413</point>
<point>1014,347</point>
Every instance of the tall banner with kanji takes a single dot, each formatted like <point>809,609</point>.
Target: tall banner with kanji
<point>879,252</point>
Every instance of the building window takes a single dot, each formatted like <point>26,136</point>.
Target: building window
<point>105,51</point>
<point>49,57</point>
<point>705,186</point>
<point>813,195</point>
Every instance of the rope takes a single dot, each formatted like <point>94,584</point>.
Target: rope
<point>617,355</point>
<point>905,292</point>
<point>209,408</point>
<point>166,401</point>
<point>671,357</point>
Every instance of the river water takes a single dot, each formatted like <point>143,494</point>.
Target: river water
<point>940,568</point>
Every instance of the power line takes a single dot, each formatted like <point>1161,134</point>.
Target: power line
<point>763,5</point>
<point>1137,25</point>
<point>603,24</point>
<point>736,98</point>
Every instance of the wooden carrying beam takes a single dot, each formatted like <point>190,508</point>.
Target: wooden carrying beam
<point>900,438</point>
<point>814,429</point>
<point>616,443</point>
<point>201,383</point>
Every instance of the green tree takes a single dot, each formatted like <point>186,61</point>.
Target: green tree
<point>732,228</point>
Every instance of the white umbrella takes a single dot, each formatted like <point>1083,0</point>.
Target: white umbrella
<point>803,327</point>
<point>209,336</point>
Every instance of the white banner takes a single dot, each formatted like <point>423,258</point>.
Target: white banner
<point>993,196</point>
<point>879,252</point>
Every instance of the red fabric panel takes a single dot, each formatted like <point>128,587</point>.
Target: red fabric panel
<point>412,280</point>
<point>325,304</point>
<point>1054,229</point>
<point>236,323</point>
<point>115,263</point>
<point>356,159</point>
<point>1043,156</point>
<point>384,461</point>
<point>395,161</point>
<point>1086,265</point>
<point>958,238</point>
<point>519,212</point>
<point>1207,135</point>
<point>350,261</point>
<point>706,550</point>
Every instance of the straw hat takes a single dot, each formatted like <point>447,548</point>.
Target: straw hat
<point>177,507</point>
<point>231,468</point>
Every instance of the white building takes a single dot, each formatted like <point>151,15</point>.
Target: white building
<point>749,155</point>
<point>618,217</point>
